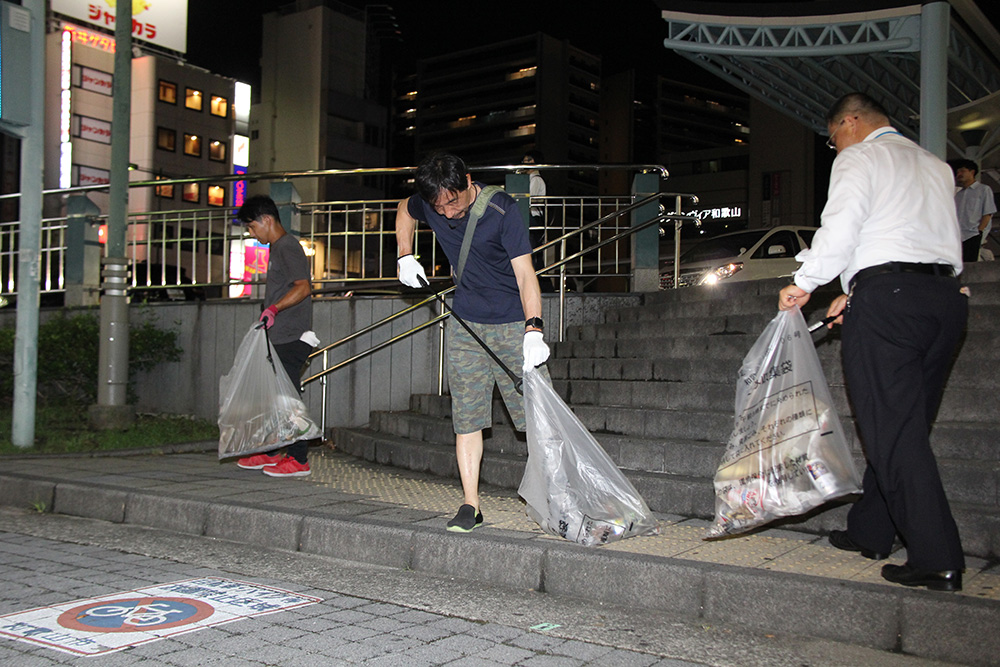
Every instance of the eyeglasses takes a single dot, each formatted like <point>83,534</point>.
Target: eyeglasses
<point>829,140</point>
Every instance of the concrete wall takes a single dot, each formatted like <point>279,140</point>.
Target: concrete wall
<point>210,332</point>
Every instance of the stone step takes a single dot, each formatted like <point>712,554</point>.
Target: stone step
<point>972,441</point>
<point>968,479</point>
<point>969,369</point>
<point>960,403</point>
<point>684,494</point>
<point>983,320</point>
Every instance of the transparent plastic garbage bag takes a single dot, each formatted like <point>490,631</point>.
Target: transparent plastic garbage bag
<point>259,407</point>
<point>787,453</point>
<point>571,486</point>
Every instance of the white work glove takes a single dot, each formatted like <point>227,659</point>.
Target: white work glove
<point>410,271</point>
<point>535,350</point>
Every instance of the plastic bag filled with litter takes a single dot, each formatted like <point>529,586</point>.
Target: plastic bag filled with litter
<point>571,486</point>
<point>787,453</point>
<point>259,408</point>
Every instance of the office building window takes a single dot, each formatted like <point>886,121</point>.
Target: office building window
<point>192,99</point>
<point>168,92</point>
<point>216,195</point>
<point>217,150</point>
<point>165,191</point>
<point>219,106</point>
<point>166,139</point>
<point>192,145</point>
<point>191,192</point>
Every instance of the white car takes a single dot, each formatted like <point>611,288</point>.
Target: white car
<point>753,254</point>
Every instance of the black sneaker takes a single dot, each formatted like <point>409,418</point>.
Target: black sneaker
<point>465,520</point>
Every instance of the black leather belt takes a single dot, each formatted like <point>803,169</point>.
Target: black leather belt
<point>946,270</point>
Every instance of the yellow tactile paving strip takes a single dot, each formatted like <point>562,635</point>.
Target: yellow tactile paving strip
<point>505,511</point>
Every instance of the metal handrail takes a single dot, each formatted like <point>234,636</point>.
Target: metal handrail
<point>409,309</point>
<point>324,352</point>
<point>316,173</point>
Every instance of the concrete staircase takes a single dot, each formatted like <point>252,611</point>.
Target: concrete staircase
<point>655,385</point>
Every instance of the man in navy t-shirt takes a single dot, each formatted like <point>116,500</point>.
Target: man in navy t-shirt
<point>496,292</point>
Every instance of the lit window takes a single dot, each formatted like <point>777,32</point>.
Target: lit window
<point>217,150</point>
<point>522,73</point>
<point>192,145</point>
<point>192,192</point>
<point>192,99</point>
<point>168,92</point>
<point>166,139</point>
<point>216,195</point>
<point>219,106</point>
<point>165,191</point>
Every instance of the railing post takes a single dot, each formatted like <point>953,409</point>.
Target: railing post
<point>645,243</point>
<point>83,252</point>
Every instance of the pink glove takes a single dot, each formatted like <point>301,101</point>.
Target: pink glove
<point>267,317</point>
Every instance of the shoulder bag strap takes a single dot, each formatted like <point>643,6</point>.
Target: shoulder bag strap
<point>475,213</point>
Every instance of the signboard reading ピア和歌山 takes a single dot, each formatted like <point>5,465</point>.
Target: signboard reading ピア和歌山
<point>159,22</point>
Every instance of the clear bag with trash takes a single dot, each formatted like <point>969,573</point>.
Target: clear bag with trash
<point>259,407</point>
<point>787,453</point>
<point>571,486</point>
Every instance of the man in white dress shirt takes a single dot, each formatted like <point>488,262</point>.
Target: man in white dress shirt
<point>890,231</point>
<point>975,205</point>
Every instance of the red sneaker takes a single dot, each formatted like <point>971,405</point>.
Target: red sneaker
<point>259,461</point>
<point>287,467</point>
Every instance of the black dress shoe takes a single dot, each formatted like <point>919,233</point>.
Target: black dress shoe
<point>945,580</point>
<point>841,540</point>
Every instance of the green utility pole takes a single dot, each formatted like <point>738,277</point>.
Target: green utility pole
<point>30,232</point>
<point>112,410</point>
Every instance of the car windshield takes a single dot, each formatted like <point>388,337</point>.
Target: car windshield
<point>722,247</point>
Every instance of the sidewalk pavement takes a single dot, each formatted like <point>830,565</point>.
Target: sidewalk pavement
<point>773,581</point>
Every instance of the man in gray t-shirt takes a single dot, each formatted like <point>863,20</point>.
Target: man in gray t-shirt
<point>287,315</point>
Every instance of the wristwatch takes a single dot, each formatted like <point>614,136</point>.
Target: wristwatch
<point>534,322</point>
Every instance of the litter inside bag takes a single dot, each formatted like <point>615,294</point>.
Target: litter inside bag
<point>571,486</point>
<point>787,453</point>
<point>259,407</point>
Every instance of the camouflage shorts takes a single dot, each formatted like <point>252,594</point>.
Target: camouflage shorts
<point>472,374</point>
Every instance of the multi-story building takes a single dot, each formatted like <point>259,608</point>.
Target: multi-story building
<point>314,113</point>
<point>491,104</point>
<point>185,122</point>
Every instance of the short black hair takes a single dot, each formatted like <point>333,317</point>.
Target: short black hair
<point>535,155</point>
<point>859,103</point>
<point>441,171</point>
<point>962,163</point>
<point>254,207</point>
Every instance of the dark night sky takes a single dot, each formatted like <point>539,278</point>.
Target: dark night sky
<point>224,35</point>
<point>625,33</point>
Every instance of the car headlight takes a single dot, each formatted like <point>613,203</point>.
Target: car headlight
<point>721,273</point>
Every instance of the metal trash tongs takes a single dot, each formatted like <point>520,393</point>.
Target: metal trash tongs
<point>518,382</point>
<point>822,323</point>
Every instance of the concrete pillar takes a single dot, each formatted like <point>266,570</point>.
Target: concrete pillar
<point>287,199</point>
<point>83,252</point>
<point>645,244</point>
<point>935,29</point>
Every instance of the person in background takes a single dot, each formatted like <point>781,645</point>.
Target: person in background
<point>976,206</point>
<point>287,315</point>
<point>536,188</point>
<point>890,231</point>
<point>497,295</point>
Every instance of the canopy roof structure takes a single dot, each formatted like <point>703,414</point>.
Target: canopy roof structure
<point>801,57</point>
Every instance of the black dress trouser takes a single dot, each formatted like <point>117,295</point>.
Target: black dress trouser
<point>900,334</point>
